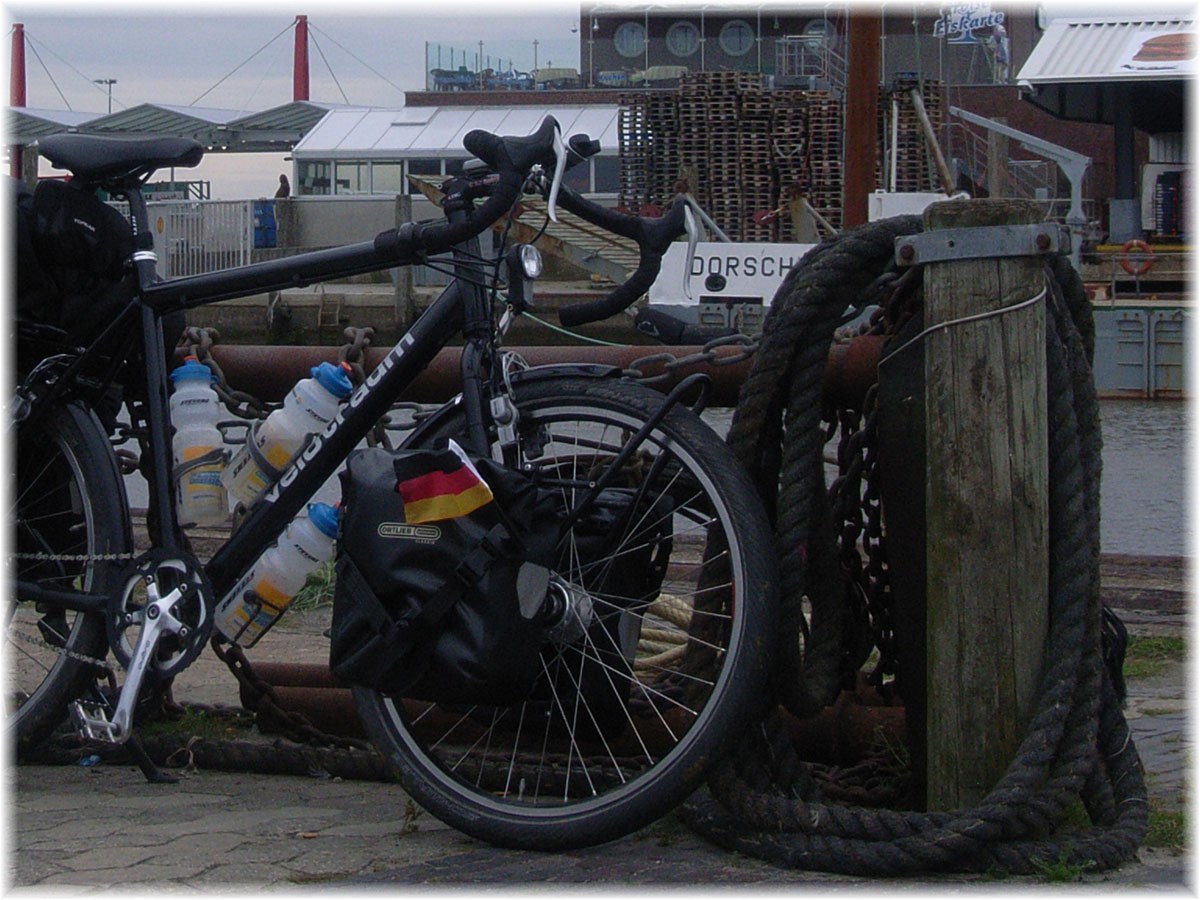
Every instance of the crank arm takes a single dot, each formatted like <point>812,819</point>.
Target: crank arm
<point>158,619</point>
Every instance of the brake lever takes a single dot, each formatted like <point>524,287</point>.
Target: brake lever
<point>693,233</point>
<point>560,166</point>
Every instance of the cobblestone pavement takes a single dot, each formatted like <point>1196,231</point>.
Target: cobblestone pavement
<point>105,827</point>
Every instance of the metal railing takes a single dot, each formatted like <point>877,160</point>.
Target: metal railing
<point>193,237</point>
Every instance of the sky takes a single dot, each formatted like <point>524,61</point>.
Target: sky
<point>238,56</point>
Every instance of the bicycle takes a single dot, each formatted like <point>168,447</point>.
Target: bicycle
<point>635,695</point>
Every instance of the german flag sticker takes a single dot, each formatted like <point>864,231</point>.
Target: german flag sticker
<point>451,488</point>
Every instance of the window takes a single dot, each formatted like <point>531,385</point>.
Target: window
<point>683,38</point>
<point>387,178</point>
<point>630,39</point>
<point>579,178</point>
<point>351,177</point>
<point>313,177</point>
<point>736,38</point>
<point>608,174</point>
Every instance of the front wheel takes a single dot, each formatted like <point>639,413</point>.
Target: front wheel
<point>71,531</point>
<point>666,591</point>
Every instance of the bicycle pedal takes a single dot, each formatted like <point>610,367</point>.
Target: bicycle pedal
<point>92,722</point>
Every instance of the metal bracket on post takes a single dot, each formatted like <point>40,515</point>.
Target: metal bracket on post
<point>983,242</point>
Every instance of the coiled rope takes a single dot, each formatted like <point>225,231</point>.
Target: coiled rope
<point>762,799</point>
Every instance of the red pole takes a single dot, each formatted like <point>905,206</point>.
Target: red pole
<point>862,99</point>
<point>300,60</point>
<point>16,91</point>
<point>16,76</point>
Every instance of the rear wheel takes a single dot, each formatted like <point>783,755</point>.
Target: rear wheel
<point>71,531</point>
<point>666,593</point>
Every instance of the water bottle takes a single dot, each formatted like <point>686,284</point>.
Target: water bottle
<point>195,410</point>
<point>274,442</point>
<point>269,587</point>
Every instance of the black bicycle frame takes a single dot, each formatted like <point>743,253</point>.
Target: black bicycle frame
<point>462,307</point>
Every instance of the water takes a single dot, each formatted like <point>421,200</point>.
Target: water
<point>1142,491</point>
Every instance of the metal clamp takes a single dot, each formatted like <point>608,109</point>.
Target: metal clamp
<point>983,242</point>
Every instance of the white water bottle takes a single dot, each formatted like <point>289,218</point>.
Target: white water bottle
<point>195,411</point>
<point>269,587</point>
<point>274,442</point>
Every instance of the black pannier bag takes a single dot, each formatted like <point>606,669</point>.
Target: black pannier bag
<point>452,610</point>
<point>76,277</point>
<point>430,608</point>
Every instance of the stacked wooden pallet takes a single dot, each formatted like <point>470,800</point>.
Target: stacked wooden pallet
<point>648,132</point>
<point>744,150</point>
<point>721,174</point>
<point>758,183</point>
<point>826,126</point>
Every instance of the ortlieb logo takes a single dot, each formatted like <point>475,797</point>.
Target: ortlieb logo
<point>422,534</point>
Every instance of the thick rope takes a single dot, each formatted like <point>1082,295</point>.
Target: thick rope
<point>762,800</point>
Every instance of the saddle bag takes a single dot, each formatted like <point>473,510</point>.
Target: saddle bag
<point>441,571</point>
<point>72,250</point>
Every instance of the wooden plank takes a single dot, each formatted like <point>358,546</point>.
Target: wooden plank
<point>986,506</point>
<point>571,238</point>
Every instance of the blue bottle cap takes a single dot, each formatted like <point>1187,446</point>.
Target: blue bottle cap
<point>192,370</point>
<point>325,517</point>
<point>333,378</point>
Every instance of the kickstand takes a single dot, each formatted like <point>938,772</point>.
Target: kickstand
<point>149,768</point>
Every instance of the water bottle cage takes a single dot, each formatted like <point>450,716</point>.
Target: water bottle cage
<point>234,425</point>
<point>254,604</point>
<point>272,474</point>
<point>216,454</point>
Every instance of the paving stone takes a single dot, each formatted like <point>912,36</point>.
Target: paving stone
<point>103,828</point>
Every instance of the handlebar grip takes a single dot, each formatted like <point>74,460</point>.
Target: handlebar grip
<point>583,147</point>
<point>485,146</point>
<point>622,296</point>
<point>511,157</point>
<point>519,154</point>
<point>653,237</point>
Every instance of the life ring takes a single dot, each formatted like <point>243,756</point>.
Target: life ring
<point>1141,247</point>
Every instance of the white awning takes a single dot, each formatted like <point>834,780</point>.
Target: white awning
<point>1112,49</point>
<point>436,132</point>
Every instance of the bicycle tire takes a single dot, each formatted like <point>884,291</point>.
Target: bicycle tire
<point>701,656</point>
<point>68,501</point>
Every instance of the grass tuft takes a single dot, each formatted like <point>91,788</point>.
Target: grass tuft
<point>1146,656</point>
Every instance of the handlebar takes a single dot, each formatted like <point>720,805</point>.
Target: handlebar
<point>511,158</point>
<point>652,235</point>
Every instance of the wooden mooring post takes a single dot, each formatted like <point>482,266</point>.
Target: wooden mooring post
<point>986,501</point>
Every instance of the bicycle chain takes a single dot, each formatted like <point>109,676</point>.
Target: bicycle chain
<point>74,557</point>
<point>61,651</point>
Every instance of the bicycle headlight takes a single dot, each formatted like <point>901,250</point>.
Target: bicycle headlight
<point>524,265</point>
<point>528,258</point>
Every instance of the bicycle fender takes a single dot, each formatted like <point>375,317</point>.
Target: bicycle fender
<point>521,376</point>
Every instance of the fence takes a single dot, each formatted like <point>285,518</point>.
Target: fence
<point>192,237</point>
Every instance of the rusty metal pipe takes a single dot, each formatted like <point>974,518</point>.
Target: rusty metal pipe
<point>268,372</point>
<point>843,733</point>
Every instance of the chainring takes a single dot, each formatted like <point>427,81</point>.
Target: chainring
<point>167,570</point>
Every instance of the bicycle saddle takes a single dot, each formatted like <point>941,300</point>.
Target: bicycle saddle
<point>99,158</point>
